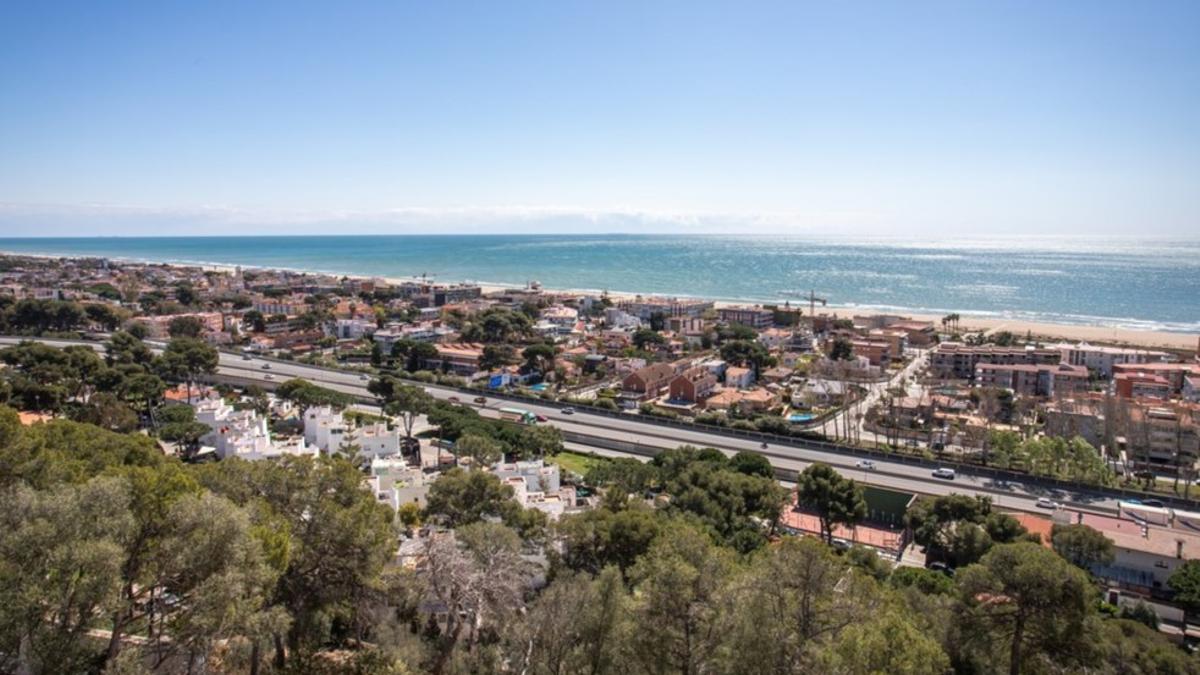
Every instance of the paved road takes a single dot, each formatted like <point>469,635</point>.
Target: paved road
<point>795,456</point>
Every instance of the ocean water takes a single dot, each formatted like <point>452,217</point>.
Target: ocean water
<point>1145,284</point>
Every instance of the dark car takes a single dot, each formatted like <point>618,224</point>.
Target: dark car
<point>481,400</point>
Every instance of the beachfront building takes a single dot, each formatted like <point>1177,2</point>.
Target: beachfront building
<point>646,307</point>
<point>747,315</point>
<point>955,360</point>
<point>1102,360</point>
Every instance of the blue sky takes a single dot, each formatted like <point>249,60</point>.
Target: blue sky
<point>932,118</point>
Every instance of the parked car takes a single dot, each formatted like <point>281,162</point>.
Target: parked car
<point>865,464</point>
<point>942,567</point>
<point>943,472</point>
<point>1047,503</point>
<point>568,411</point>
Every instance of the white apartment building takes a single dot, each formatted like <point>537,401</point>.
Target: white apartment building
<point>395,483</point>
<point>327,430</point>
<point>1100,359</point>
<point>537,485</point>
<point>617,318</point>
<point>242,433</point>
<point>351,329</point>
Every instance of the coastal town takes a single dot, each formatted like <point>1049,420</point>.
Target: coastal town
<point>447,383</point>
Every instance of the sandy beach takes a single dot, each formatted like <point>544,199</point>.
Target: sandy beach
<point>1046,331</point>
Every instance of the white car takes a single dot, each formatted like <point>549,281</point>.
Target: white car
<point>865,464</point>
<point>944,472</point>
<point>1047,503</point>
<point>268,376</point>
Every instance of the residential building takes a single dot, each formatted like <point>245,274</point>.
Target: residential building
<point>917,333</point>
<point>1145,555</point>
<point>738,377</point>
<point>876,352</point>
<point>650,381</point>
<point>352,329</point>
<point>775,338</point>
<point>1071,417</point>
<point>1102,360</point>
<point>461,358</point>
<point>1173,373</point>
<point>747,315</point>
<point>243,433</point>
<point>692,385</point>
<point>1032,380</point>
<point>745,401</point>
<point>159,327</point>
<point>646,307</point>
<point>1142,385</point>
<point>1164,439</point>
<point>537,485</point>
<point>327,429</point>
<point>618,318</point>
<point>897,340</point>
<point>560,315</point>
<point>395,483</point>
<point>957,360</point>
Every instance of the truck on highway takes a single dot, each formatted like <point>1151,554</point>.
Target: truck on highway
<point>518,415</point>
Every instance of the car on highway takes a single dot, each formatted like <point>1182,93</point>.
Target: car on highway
<point>541,418</point>
<point>266,366</point>
<point>568,411</point>
<point>481,400</point>
<point>247,357</point>
<point>1156,503</point>
<point>943,472</point>
<point>452,399</point>
<point>1047,503</point>
<point>865,464</point>
<point>268,376</point>
<point>364,377</point>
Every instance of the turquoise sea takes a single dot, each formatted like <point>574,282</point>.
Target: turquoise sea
<point>1147,284</point>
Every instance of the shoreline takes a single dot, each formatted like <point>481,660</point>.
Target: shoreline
<point>969,321</point>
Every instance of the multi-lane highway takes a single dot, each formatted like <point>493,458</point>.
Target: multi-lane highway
<point>589,430</point>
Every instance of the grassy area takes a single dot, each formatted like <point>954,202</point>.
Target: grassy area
<point>576,462</point>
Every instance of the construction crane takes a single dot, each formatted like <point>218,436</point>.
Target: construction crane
<point>812,305</point>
